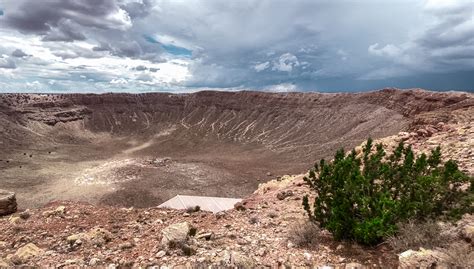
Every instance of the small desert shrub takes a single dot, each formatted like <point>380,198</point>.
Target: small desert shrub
<point>254,220</point>
<point>362,198</point>
<point>272,214</point>
<point>193,209</point>
<point>416,234</point>
<point>304,234</point>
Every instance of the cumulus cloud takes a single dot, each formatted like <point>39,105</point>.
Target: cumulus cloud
<point>284,87</point>
<point>389,50</point>
<point>286,63</point>
<point>118,81</point>
<point>261,66</point>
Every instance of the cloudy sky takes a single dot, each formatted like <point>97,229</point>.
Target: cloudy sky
<point>189,45</point>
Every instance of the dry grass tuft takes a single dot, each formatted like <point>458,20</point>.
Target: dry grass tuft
<point>304,234</point>
<point>413,235</point>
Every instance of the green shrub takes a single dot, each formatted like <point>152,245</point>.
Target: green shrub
<point>363,197</point>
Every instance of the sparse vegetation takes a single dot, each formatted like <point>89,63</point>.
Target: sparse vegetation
<point>304,234</point>
<point>363,196</point>
<point>254,220</point>
<point>193,209</point>
<point>415,234</point>
<point>272,214</point>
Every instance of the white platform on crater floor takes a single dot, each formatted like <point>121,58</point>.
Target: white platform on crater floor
<point>206,203</point>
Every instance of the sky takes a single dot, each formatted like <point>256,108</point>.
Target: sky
<point>269,45</point>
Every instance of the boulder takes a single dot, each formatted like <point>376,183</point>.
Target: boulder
<point>25,253</point>
<point>4,264</point>
<point>96,237</point>
<point>7,202</point>
<point>177,232</point>
<point>14,219</point>
<point>59,211</point>
<point>422,132</point>
<point>240,206</point>
<point>100,236</point>
<point>241,261</point>
<point>25,214</point>
<point>424,258</point>
<point>283,194</point>
<point>468,233</point>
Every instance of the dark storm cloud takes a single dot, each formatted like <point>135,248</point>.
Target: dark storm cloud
<point>453,35</point>
<point>446,45</point>
<point>137,9</point>
<point>66,30</point>
<point>58,19</point>
<point>18,53</point>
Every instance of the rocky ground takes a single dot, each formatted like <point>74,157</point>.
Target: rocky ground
<point>261,231</point>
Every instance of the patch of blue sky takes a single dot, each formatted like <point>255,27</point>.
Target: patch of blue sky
<point>172,49</point>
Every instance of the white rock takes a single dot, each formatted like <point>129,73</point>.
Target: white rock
<point>175,232</point>
<point>94,262</point>
<point>160,254</point>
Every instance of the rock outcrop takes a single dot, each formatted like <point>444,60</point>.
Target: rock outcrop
<point>7,202</point>
<point>25,253</point>
<point>177,232</point>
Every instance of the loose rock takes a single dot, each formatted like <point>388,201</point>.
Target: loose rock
<point>7,202</point>
<point>177,232</point>
<point>25,253</point>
